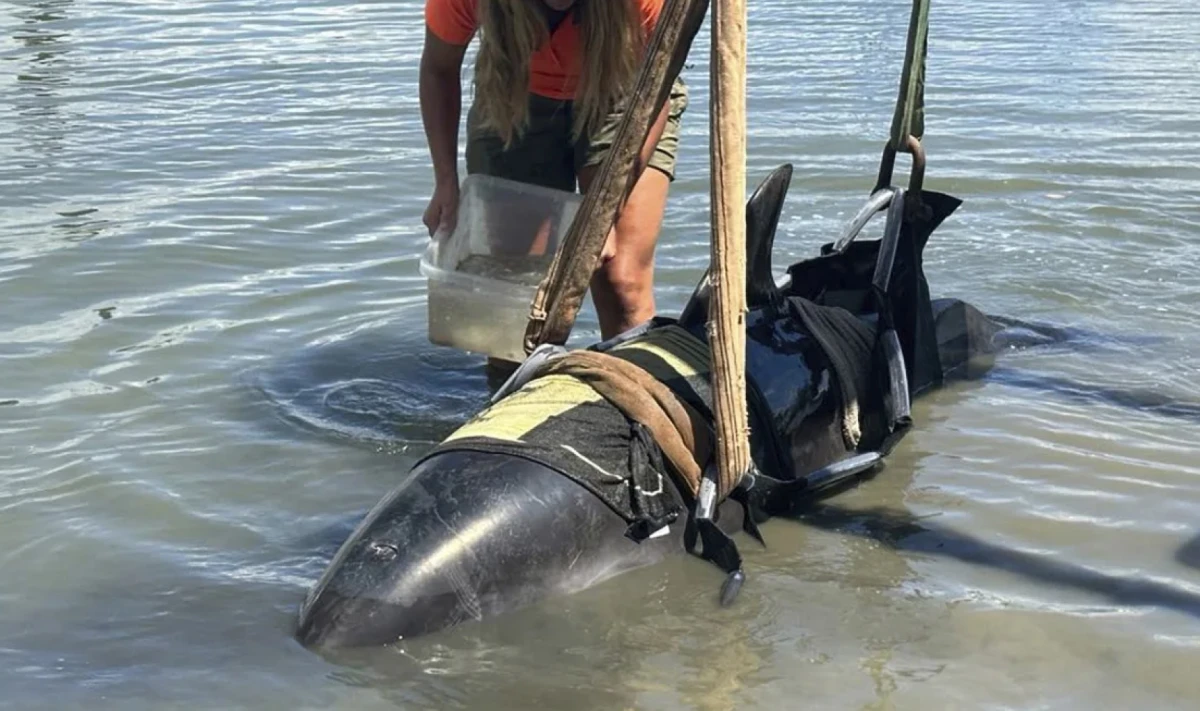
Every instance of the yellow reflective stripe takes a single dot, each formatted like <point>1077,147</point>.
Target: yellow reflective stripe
<point>666,353</point>
<point>513,417</point>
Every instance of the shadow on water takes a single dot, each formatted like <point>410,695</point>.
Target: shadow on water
<point>1019,335</point>
<point>1146,401</point>
<point>1026,333</point>
<point>385,391</point>
<point>904,532</point>
<point>1189,553</point>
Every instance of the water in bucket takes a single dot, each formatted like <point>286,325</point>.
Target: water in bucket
<point>483,275</point>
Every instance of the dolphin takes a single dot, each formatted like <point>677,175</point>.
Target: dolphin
<point>468,535</point>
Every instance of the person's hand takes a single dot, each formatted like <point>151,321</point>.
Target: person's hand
<point>442,213</point>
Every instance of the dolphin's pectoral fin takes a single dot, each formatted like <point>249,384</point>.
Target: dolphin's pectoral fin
<point>762,219</point>
<point>966,339</point>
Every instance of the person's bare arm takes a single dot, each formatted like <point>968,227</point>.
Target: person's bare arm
<point>441,103</point>
<point>441,108</point>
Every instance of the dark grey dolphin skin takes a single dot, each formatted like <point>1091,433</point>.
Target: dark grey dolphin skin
<point>469,535</point>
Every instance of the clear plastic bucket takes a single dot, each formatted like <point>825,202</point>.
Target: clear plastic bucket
<point>483,276</point>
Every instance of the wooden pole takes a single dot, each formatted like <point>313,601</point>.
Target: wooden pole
<point>727,310</point>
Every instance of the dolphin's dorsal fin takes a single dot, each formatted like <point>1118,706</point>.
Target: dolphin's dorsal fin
<point>762,219</point>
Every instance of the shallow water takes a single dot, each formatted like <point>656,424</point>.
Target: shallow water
<point>214,358</point>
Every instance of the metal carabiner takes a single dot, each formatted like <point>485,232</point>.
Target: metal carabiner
<point>916,178</point>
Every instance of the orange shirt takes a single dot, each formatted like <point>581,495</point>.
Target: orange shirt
<point>554,67</point>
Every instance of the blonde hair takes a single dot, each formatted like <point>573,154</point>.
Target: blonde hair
<point>613,40</point>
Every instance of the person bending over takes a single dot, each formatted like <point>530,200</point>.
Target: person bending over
<point>551,80</point>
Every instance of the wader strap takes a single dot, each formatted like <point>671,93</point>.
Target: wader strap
<point>776,497</point>
<point>556,303</point>
<point>682,433</point>
<point>636,332</point>
<point>897,396</point>
<point>849,344</point>
<point>662,422</point>
<point>716,545</point>
<point>649,498</point>
<point>720,550</point>
<point>543,354</point>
